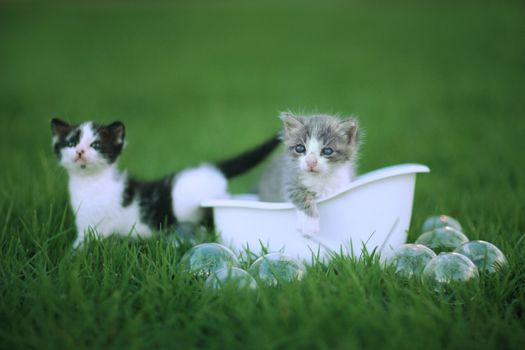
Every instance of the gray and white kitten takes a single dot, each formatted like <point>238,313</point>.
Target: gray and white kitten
<point>319,159</point>
<point>108,201</point>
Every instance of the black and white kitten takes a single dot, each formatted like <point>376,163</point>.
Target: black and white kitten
<point>319,159</point>
<point>108,201</point>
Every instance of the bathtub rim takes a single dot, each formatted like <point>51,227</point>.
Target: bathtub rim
<point>364,179</point>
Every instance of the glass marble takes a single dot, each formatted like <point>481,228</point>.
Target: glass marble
<point>451,275</point>
<point>434,222</point>
<point>486,256</point>
<point>409,260</point>
<point>203,259</point>
<point>275,268</point>
<point>443,239</point>
<point>230,276</point>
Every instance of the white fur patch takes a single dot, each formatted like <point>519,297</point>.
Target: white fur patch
<point>96,201</point>
<point>314,146</point>
<point>327,183</point>
<point>307,225</point>
<point>192,187</point>
<point>86,136</point>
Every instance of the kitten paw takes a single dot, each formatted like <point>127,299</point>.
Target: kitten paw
<point>78,242</point>
<point>307,225</point>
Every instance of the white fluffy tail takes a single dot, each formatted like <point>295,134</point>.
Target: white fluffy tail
<point>192,187</point>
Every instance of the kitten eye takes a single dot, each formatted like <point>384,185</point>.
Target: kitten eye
<point>300,149</point>
<point>95,145</point>
<point>70,144</point>
<point>327,151</point>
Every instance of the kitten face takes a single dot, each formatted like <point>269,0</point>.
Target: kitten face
<point>320,143</point>
<point>88,148</point>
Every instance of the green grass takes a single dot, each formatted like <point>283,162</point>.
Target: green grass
<point>439,84</point>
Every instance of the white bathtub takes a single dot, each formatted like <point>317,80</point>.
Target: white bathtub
<point>373,211</point>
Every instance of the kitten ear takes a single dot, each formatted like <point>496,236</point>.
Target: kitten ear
<point>118,132</point>
<point>59,127</point>
<point>350,128</point>
<point>290,122</point>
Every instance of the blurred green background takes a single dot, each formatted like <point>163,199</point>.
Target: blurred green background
<point>433,82</point>
<point>438,83</point>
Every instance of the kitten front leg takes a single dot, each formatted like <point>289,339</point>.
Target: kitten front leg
<point>308,226</point>
<point>307,214</point>
<point>79,240</point>
<point>81,235</point>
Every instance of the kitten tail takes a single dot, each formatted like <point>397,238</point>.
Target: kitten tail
<point>245,161</point>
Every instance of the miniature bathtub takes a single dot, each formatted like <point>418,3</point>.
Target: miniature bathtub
<point>373,211</point>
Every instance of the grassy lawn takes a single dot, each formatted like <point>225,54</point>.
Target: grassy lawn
<point>440,84</point>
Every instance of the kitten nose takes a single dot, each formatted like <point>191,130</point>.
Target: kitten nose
<point>311,161</point>
<point>80,152</point>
